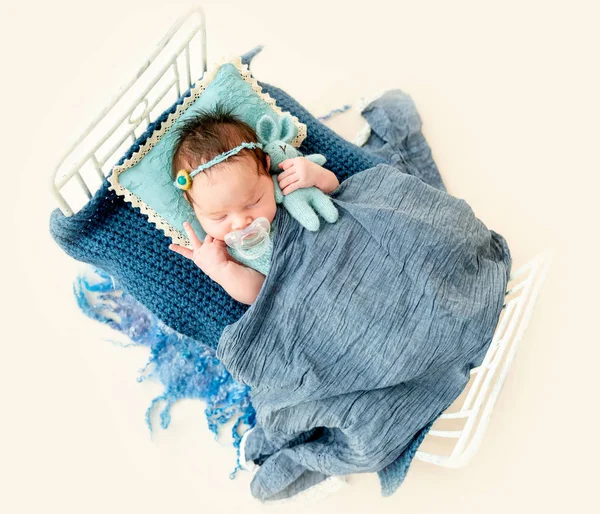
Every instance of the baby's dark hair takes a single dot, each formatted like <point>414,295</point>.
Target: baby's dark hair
<point>207,134</point>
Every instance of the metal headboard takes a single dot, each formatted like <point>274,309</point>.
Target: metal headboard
<point>179,56</point>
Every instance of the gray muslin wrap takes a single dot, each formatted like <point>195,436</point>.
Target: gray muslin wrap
<point>365,331</point>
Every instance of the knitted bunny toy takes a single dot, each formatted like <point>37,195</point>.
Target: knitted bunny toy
<point>302,204</point>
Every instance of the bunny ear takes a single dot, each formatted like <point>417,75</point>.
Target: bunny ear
<point>266,129</point>
<point>288,129</point>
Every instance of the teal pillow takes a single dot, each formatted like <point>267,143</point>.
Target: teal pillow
<point>145,179</point>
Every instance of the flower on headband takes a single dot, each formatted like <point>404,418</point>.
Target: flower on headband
<point>183,180</point>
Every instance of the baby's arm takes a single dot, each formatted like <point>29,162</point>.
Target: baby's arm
<point>326,180</point>
<point>241,283</point>
<point>211,256</point>
<point>300,172</point>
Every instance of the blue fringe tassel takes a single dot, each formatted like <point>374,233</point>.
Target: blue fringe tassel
<point>186,367</point>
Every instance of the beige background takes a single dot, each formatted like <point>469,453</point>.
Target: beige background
<point>508,94</point>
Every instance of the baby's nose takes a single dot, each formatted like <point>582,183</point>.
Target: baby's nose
<point>241,222</point>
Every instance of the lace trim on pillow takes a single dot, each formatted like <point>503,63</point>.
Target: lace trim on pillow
<point>154,217</point>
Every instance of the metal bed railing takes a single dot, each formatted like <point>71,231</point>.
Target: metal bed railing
<point>464,423</point>
<point>155,86</point>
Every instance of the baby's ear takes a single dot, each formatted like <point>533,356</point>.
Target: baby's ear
<point>266,129</point>
<point>288,129</point>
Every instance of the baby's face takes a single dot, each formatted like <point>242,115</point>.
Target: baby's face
<point>232,197</point>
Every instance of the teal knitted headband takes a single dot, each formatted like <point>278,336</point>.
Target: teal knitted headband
<point>183,180</point>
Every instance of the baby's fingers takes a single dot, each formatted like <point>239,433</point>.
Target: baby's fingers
<point>222,245</point>
<point>286,164</point>
<point>287,173</point>
<point>182,250</point>
<point>192,235</point>
<point>286,181</point>
<point>292,187</point>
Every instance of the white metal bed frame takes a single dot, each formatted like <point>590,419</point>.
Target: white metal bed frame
<point>457,434</point>
<point>142,98</point>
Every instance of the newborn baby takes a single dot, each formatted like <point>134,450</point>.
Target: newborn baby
<point>230,195</point>
<point>373,322</point>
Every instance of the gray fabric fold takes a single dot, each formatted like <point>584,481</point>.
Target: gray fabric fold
<point>364,332</point>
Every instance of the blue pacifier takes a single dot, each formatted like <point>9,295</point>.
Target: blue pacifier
<point>252,241</point>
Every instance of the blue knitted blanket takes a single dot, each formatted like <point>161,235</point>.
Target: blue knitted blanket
<point>365,330</point>
<point>114,236</point>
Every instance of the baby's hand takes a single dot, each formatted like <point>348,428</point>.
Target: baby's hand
<point>210,256</point>
<point>299,173</point>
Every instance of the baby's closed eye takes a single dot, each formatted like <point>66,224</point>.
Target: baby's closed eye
<point>255,203</point>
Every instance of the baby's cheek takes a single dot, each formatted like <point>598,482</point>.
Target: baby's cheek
<point>272,210</point>
<point>220,234</point>
<point>214,230</point>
